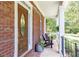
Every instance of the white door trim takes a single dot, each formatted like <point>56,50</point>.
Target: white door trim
<point>16,26</point>
<point>15,29</point>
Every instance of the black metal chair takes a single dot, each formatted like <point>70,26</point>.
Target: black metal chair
<point>47,40</point>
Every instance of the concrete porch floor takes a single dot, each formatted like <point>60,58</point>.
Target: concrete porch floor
<point>48,52</point>
<point>51,52</point>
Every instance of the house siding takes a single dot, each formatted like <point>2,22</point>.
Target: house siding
<point>7,28</point>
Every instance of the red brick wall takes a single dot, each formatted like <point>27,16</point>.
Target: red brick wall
<point>36,26</point>
<point>6,28</point>
<point>43,24</point>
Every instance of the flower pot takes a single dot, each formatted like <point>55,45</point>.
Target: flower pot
<point>38,48</point>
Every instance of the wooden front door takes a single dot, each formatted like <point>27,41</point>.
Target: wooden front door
<point>22,29</point>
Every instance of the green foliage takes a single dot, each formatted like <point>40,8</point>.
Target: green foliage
<point>41,42</point>
<point>72,11</point>
<point>53,36</point>
<point>51,25</point>
<point>57,28</point>
<point>72,17</point>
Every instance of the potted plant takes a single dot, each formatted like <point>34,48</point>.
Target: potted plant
<point>39,47</point>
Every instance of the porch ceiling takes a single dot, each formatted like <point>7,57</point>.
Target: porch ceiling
<point>49,8</point>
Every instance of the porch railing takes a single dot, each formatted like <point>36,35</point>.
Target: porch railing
<point>72,47</point>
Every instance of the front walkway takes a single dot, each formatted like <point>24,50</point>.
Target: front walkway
<point>51,52</point>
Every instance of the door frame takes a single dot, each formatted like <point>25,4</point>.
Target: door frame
<point>16,26</point>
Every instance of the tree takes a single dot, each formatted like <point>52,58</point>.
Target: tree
<point>72,17</point>
<point>51,25</point>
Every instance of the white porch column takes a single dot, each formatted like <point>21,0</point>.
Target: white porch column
<point>61,28</point>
